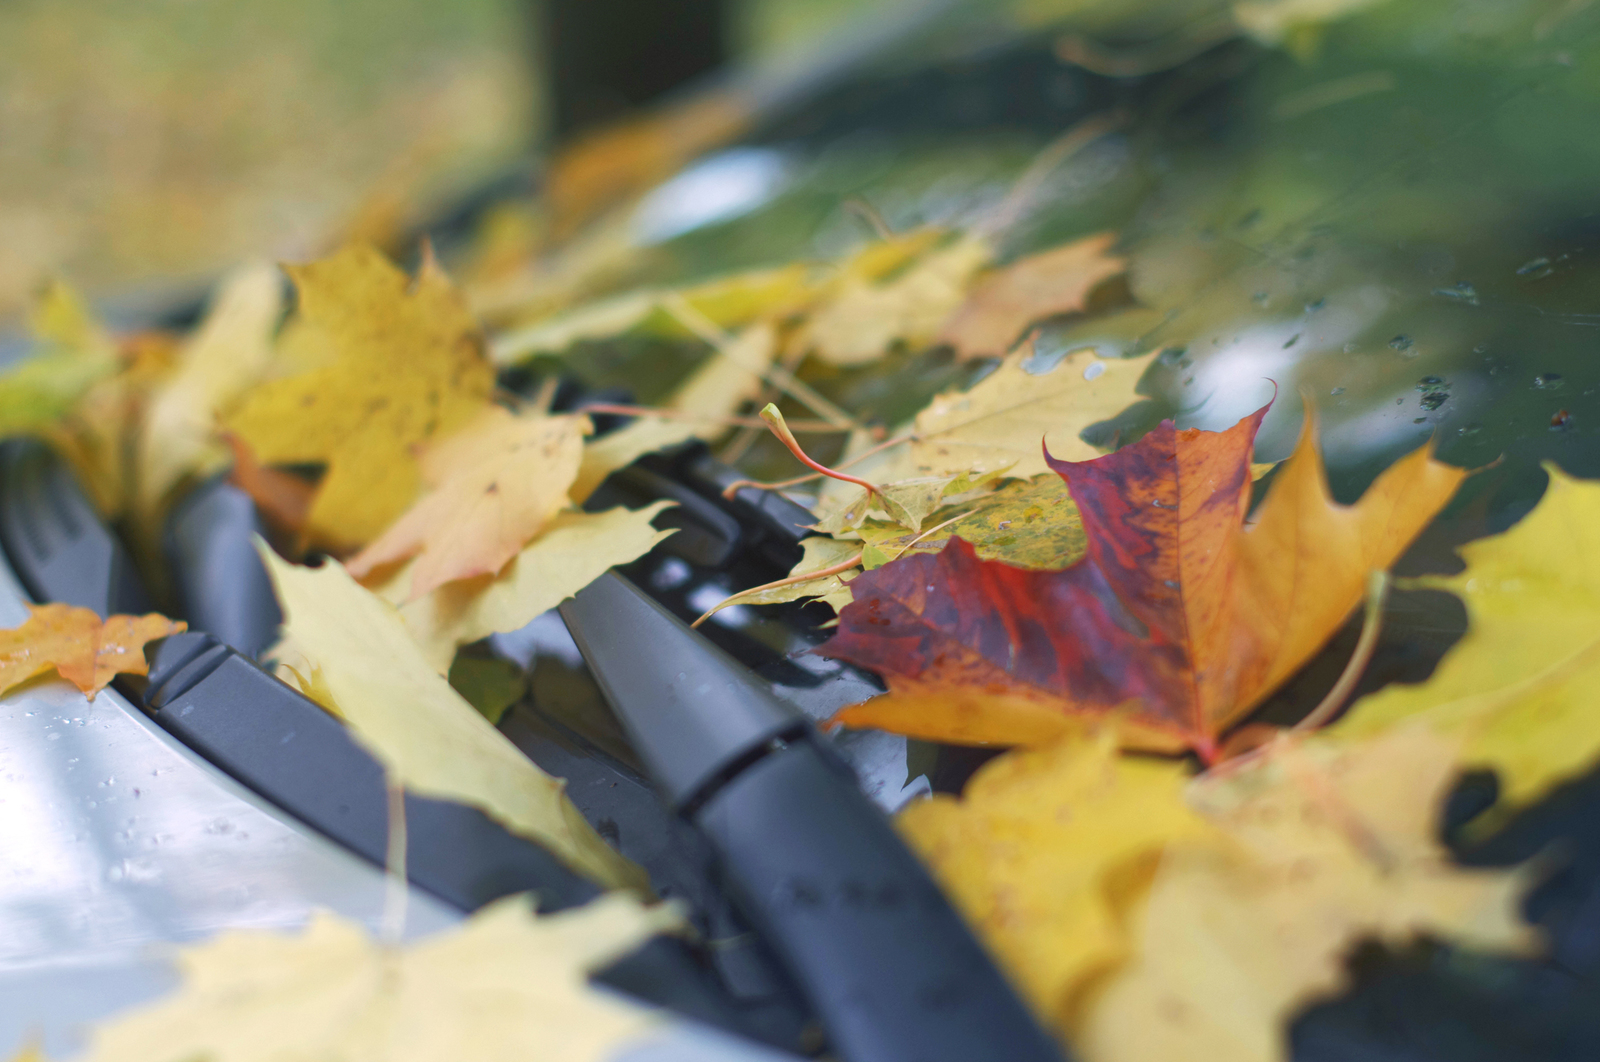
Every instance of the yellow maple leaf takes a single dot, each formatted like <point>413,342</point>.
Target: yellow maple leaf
<point>1047,851</point>
<point>406,714</point>
<point>996,425</point>
<point>505,986</point>
<point>1518,689</point>
<point>575,550</point>
<point>79,646</point>
<point>1328,843</point>
<point>385,363</point>
<point>494,485</point>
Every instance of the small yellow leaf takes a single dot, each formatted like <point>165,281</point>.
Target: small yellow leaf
<point>573,552</point>
<point>997,425</point>
<point>818,552</point>
<point>1027,523</point>
<point>406,714</point>
<point>505,986</point>
<point>495,485</point>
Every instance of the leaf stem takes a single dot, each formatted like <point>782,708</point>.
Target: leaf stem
<point>394,865</point>
<point>1371,627</point>
<point>805,577</point>
<point>739,484</point>
<point>774,419</point>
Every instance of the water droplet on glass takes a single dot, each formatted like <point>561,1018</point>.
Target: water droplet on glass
<point>1401,342</point>
<point>1432,383</point>
<point>1462,292</point>
<point>1313,307</point>
<point>1399,401</point>
<point>1548,381</point>
<point>1434,399</point>
<point>1537,269</point>
<point>1469,429</point>
<point>1561,421</point>
<point>1292,341</point>
<point>1420,420</point>
<point>1337,391</point>
<point>1095,368</point>
<point>1261,299</point>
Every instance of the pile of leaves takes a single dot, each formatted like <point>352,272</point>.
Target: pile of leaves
<point>1160,876</point>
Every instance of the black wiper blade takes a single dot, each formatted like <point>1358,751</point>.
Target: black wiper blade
<point>890,968</point>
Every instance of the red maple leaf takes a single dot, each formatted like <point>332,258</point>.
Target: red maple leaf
<point>1176,622</point>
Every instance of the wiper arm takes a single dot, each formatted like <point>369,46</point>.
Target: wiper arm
<point>891,969</point>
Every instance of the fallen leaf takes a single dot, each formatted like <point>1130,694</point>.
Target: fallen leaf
<point>78,646</point>
<point>1027,523</point>
<point>623,447</point>
<point>1177,621</point>
<point>1048,852</point>
<point>1002,305</point>
<point>1331,843</point>
<point>862,319</point>
<point>1518,689</point>
<point>494,486</point>
<point>406,714</point>
<point>73,352</point>
<point>283,498</point>
<point>819,553</point>
<point>228,353</point>
<point>385,363</point>
<point>730,302</point>
<point>906,503</point>
<point>504,986</point>
<point>997,424</point>
<point>573,552</point>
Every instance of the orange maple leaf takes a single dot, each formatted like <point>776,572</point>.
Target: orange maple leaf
<point>1008,300</point>
<point>80,647</point>
<point>1177,622</point>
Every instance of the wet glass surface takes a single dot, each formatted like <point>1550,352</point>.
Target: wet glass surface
<point>1395,220</point>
